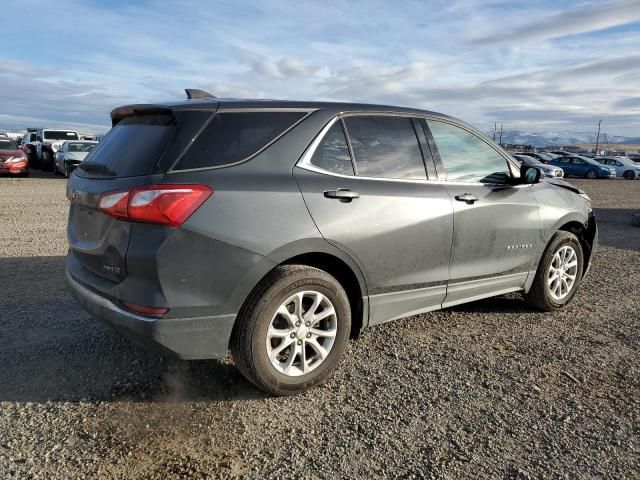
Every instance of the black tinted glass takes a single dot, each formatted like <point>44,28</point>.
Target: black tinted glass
<point>60,135</point>
<point>333,153</point>
<point>232,137</point>
<point>385,146</point>
<point>7,144</point>
<point>466,157</point>
<point>132,147</point>
<point>79,146</point>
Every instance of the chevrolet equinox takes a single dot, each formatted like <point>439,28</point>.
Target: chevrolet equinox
<point>280,229</point>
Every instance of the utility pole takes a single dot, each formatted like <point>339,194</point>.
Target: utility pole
<point>598,137</point>
<point>500,141</point>
<point>495,127</point>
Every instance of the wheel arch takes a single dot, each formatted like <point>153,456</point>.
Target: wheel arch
<point>320,254</point>
<point>586,233</point>
<point>346,276</point>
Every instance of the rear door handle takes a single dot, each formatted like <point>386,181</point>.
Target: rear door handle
<point>343,194</point>
<point>467,198</point>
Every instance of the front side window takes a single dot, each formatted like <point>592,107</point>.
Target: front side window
<point>385,146</point>
<point>578,161</point>
<point>466,157</point>
<point>232,137</point>
<point>332,153</point>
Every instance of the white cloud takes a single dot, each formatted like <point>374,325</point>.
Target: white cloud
<point>582,19</point>
<point>410,54</point>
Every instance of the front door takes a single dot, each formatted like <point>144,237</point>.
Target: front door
<point>370,197</point>
<point>496,223</point>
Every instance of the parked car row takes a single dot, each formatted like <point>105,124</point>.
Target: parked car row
<point>575,165</point>
<point>54,150</point>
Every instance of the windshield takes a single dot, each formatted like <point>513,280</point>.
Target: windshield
<point>60,135</point>
<point>80,146</point>
<point>7,144</point>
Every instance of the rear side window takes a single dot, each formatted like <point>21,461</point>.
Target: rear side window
<point>385,146</point>
<point>132,147</point>
<point>333,152</point>
<point>231,137</point>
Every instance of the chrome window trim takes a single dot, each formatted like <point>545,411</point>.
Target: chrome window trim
<point>305,160</point>
<point>253,155</point>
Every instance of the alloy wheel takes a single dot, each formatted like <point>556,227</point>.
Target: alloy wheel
<point>301,333</point>
<point>563,272</point>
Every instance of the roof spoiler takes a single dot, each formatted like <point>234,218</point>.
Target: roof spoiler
<point>195,94</point>
<point>119,113</point>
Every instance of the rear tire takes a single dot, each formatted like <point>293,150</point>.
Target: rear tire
<point>592,174</point>
<point>546,293</point>
<point>274,342</point>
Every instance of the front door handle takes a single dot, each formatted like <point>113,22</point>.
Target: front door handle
<point>343,194</point>
<point>467,198</point>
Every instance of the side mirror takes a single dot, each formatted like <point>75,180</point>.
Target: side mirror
<point>529,175</point>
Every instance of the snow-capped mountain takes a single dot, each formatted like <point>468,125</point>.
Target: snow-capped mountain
<point>544,139</point>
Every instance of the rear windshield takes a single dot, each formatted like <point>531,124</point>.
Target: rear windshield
<point>231,137</point>
<point>59,135</point>
<point>7,144</point>
<point>132,147</point>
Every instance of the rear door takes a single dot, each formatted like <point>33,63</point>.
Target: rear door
<point>365,184</point>
<point>496,223</point>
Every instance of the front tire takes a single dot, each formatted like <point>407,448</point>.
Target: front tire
<point>559,273</point>
<point>629,175</point>
<point>592,174</point>
<point>292,330</point>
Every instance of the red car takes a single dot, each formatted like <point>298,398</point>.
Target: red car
<point>12,160</point>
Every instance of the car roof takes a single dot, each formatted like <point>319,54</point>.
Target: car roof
<point>238,103</point>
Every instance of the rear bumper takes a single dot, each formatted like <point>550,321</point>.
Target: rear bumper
<point>187,338</point>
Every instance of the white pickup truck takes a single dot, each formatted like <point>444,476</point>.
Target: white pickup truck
<point>48,141</point>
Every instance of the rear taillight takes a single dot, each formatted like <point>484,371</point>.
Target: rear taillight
<point>159,204</point>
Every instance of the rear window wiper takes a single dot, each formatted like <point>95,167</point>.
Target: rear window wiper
<point>99,168</point>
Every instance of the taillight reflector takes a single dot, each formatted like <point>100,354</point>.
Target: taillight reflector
<point>159,204</point>
<point>155,311</point>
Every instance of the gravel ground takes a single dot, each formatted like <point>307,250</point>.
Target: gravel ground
<point>490,389</point>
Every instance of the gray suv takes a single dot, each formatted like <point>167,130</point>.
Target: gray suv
<point>280,229</point>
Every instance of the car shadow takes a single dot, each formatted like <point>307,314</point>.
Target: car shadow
<point>511,303</point>
<point>615,228</point>
<point>52,350</point>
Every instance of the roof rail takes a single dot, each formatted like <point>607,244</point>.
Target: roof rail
<point>195,94</point>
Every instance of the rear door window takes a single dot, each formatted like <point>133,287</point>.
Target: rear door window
<point>132,147</point>
<point>332,153</point>
<point>386,147</point>
<point>231,137</point>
